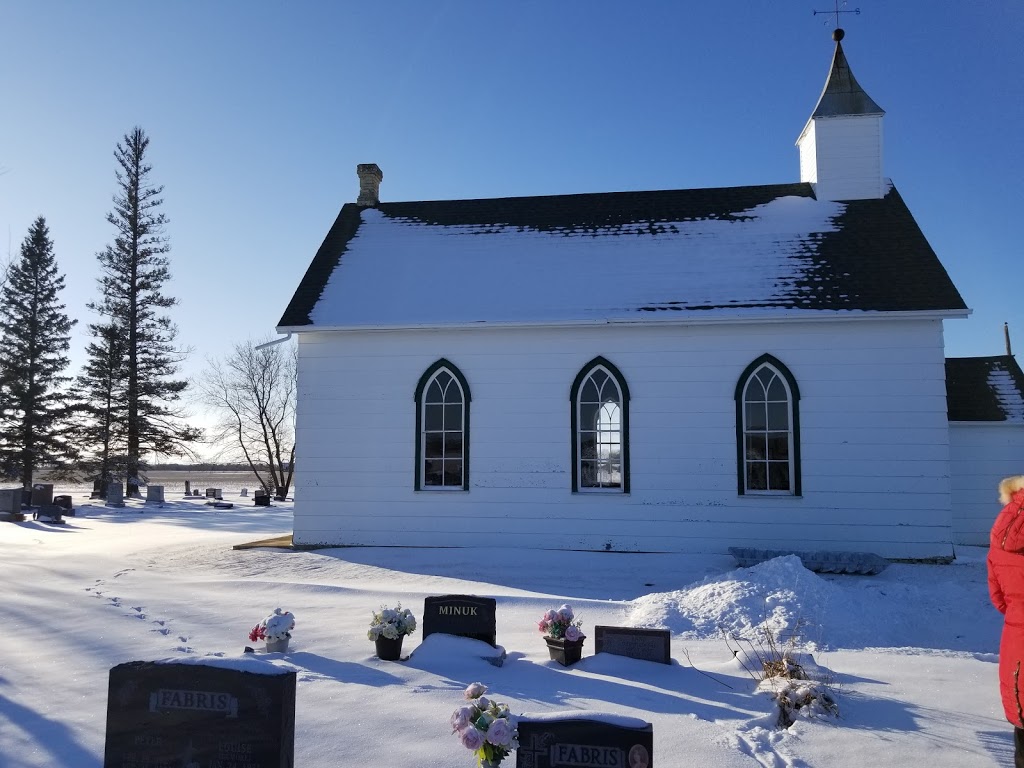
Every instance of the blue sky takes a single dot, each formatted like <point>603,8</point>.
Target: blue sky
<point>258,113</point>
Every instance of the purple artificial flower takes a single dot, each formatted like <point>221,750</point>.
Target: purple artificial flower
<point>474,690</point>
<point>461,718</point>
<point>500,733</point>
<point>572,633</point>
<point>471,738</point>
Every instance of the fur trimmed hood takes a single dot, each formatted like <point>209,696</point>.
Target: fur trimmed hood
<point>1009,486</point>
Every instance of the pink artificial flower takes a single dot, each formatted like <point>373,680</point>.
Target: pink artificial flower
<point>500,733</point>
<point>471,738</point>
<point>461,718</point>
<point>550,616</point>
<point>474,690</point>
<point>572,633</point>
<point>542,625</point>
<point>565,613</point>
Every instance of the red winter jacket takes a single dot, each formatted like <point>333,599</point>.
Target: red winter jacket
<point>1006,587</point>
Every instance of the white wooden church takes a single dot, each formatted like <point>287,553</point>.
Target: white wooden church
<point>665,371</point>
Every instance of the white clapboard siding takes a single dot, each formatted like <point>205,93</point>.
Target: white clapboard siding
<point>842,157</point>
<point>980,456</point>
<point>874,439</point>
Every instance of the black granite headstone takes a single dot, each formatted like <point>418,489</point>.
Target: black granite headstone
<point>261,500</point>
<point>462,615</point>
<point>643,644</point>
<point>168,714</point>
<point>582,743</point>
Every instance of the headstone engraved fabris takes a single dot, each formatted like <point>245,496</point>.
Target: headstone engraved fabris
<point>461,615</point>
<point>643,644</point>
<point>595,740</point>
<point>163,714</point>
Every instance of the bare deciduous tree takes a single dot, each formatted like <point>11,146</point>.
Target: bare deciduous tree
<point>253,393</point>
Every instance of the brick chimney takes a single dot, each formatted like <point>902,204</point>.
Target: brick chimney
<point>370,177</point>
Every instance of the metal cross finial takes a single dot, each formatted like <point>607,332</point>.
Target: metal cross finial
<point>839,10</point>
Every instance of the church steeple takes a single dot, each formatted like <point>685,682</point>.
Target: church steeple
<point>841,145</point>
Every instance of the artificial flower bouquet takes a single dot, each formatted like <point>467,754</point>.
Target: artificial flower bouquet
<point>276,627</point>
<point>391,623</point>
<point>561,623</point>
<point>486,727</point>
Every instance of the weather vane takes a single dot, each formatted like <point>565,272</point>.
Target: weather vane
<point>837,11</point>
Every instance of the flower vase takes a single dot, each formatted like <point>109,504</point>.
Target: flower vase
<point>278,646</point>
<point>388,649</point>
<point>565,652</point>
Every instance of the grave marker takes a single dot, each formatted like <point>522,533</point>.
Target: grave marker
<point>115,495</point>
<point>576,742</point>
<point>42,493</point>
<point>10,505</point>
<point>155,493</point>
<point>174,714</point>
<point>461,615</point>
<point>643,644</point>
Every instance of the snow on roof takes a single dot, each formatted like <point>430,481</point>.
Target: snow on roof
<point>402,271</point>
<point>1007,393</point>
<point>985,389</point>
<point>625,256</point>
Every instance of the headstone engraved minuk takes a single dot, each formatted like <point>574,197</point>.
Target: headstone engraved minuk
<point>643,644</point>
<point>462,615</point>
<point>577,742</point>
<point>173,714</point>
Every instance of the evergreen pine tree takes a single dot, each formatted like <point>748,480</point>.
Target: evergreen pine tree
<point>100,407</point>
<point>133,272</point>
<point>34,340</point>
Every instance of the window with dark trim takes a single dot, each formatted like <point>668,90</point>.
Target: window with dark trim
<point>600,429</point>
<point>767,429</point>
<point>442,429</point>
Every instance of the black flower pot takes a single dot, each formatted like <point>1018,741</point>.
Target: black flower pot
<point>565,652</point>
<point>388,649</point>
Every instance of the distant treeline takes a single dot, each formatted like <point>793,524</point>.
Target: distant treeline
<point>208,467</point>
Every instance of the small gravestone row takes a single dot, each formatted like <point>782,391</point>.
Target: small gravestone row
<point>242,714</point>
<point>475,617</point>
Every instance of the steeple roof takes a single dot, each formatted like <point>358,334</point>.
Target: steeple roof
<point>842,94</point>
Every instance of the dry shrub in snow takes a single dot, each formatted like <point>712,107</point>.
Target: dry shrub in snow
<point>793,680</point>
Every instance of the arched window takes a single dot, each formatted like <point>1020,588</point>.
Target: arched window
<point>600,429</point>
<point>768,429</point>
<point>442,429</point>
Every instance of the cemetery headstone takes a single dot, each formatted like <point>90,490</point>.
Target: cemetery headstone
<point>462,615</point>
<point>42,493</point>
<point>64,502</point>
<point>115,495</point>
<point>550,742</point>
<point>188,487</point>
<point>50,513</point>
<point>245,492</point>
<point>99,489</point>
<point>174,714</point>
<point>155,493</point>
<point>643,644</point>
<point>261,500</point>
<point>10,504</point>
<point>213,493</point>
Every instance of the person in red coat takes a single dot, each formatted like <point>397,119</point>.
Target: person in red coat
<point>1006,588</point>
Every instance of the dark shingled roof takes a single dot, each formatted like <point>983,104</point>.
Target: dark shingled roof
<point>877,259</point>
<point>970,395</point>
<point>842,94</point>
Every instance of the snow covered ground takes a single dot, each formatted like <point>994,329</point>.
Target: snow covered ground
<point>911,652</point>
